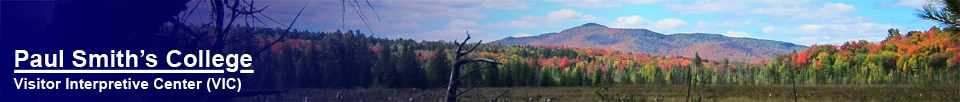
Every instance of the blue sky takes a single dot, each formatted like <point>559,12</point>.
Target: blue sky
<point>804,22</point>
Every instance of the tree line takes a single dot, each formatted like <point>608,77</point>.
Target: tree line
<point>352,59</point>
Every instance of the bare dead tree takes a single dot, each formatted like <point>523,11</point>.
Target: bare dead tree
<point>225,13</point>
<point>794,82</point>
<point>455,77</point>
<point>355,5</point>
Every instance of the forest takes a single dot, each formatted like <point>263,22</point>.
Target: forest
<point>351,59</point>
<point>356,65</point>
<point>350,65</point>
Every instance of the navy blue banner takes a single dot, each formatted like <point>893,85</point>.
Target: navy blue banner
<point>110,51</point>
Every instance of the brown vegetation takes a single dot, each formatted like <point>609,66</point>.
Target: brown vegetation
<point>669,93</point>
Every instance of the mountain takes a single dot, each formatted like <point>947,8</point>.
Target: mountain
<point>710,46</point>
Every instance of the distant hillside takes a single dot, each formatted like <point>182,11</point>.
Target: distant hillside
<point>710,46</point>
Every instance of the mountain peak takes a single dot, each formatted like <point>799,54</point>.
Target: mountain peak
<point>709,46</point>
<point>592,24</point>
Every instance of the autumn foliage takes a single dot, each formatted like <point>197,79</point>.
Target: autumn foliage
<point>350,59</point>
<point>927,53</point>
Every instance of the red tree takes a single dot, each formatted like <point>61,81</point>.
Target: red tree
<point>802,59</point>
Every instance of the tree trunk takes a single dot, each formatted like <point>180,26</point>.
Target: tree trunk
<point>689,82</point>
<point>453,84</point>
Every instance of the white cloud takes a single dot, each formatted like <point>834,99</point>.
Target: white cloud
<point>602,3</point>
<point>707,6</point>
<point>325,12</point>
<point>562,14</point>
<point>504,4</point>
<point>390,15</point>
<point>329,30</point>
<point>831,29</point>
<point>409,25</point>
<point>521,35</point>
<point>784,2</point>
<point>820,40</point>
<point>701,26</point>
<point>671,23</point>
<point>497,26</point>
<point>523,25</point>
<point>732,33</point>
<point>459,23</point>
<point>814,20</point>
<point>777,11</point>
<point>912,3</point>
<point>832,33</point>
<point>630,21</point>
<point>837,7</point>
<point>449,35</point>
<point>378,26</point>
<point>551,19</point>
<point>824,13</point>
<point>667,26</point>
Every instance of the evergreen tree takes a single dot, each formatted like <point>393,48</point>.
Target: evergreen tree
<point>697,62</point>
<point>492,77</point>
<point>547,78</point>
<point>385,67</point>
<point>472,79</point>
<point>597,77</point>
<point>413,75</point>
<point>439,68</point>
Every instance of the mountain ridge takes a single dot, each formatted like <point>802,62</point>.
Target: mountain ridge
<point>710,46</point>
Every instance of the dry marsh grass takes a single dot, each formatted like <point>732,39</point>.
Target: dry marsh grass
<point>667,93</point>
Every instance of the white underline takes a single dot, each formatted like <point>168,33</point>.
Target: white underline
<point>246,71</point>
<point>127,71</point>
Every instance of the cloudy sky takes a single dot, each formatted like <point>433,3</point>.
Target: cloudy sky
<point>804,22</point>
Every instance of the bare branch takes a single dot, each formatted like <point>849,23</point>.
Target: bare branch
<point>475,71</point>
<point>474,47</point>
<point>476,84</point>
<point>455,77</point>
<point>239,10</point>
<point>261,21</point>
<point>190,13</point>
<point>374,10</point>
<point>286,31</point>
<point>247,36</point>
<point>362,17</point>
<point>271,19</point>
<point>182,26</point>
<point>424,92</point>
<point>343,13</point>
<point>463,61</point>
<point>501,95</point>
<point>468,36</point>
<point>460,45</point>
<point>472,87</point>
<point>465,40</point>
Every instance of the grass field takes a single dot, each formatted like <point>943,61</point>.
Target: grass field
<point>669,93</point>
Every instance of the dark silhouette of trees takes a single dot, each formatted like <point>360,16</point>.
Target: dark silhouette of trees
<point>386,66</point>
<point>413,74</point>
<point>348,60</point>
